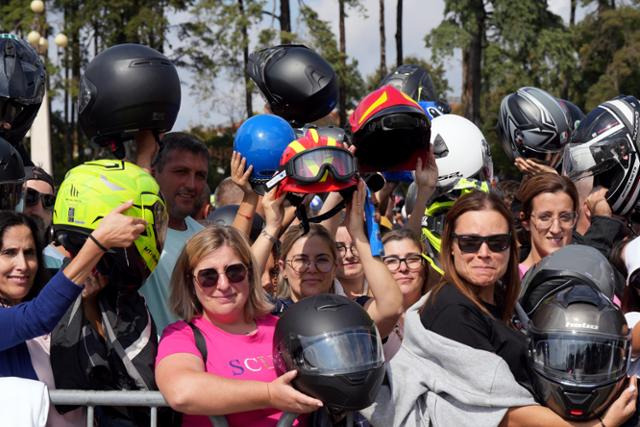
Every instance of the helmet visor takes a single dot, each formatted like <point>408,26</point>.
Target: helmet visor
<point>346,351</point>
<point>580,359</point>
<point>588,159</point>
<point>311,166</point>
<point>11,196</point>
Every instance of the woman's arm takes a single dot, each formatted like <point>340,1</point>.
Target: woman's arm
<point>533,416</point>
<point>188,389</point>
<point>247,209</point>
<point>40,315</point>
<point>426,179</point>
<point>386,306</point>
<point>274,217</point>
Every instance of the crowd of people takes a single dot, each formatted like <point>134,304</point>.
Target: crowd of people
<point>380,275</point>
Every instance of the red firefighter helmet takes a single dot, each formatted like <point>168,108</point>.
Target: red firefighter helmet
<point>315,164</point>
<point>390,131</point>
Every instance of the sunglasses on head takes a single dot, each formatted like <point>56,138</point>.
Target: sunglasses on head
<point>470,243</point>
<point>32,196</point>
<point>208,277</point>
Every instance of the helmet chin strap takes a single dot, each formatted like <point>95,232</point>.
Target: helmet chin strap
<point>301,210</point>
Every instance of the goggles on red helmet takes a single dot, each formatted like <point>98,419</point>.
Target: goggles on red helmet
<point>314,164</point>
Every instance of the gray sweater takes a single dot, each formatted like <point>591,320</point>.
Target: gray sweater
<point>440,382</point>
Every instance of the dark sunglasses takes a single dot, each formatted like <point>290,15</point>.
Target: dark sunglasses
<point>208,277</point>
<point>470,243</point>
<point>32,196</point>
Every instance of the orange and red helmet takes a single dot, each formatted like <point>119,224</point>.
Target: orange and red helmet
<point>390,131</point>
<point>315,164</point>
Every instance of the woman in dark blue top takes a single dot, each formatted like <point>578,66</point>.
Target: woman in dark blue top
<point>27,308</point>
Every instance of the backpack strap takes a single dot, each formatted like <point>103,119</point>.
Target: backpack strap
<point>200,343</point>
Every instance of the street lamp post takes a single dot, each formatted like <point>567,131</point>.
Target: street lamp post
<point>41,127</point>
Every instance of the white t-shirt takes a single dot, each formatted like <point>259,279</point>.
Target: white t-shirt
<point>156,289</point>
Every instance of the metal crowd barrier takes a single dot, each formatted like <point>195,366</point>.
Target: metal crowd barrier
<point>151,399</point>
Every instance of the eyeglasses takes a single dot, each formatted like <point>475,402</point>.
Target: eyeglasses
<point>208,277</point>
<point>565,220</point>
<point>342,249</point>
<point>470,243</point>
<point>301,264</point>
<point>32,196</point>
<point>412,261</point>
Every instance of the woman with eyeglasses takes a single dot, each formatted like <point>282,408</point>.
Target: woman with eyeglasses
<point>403,258</point>
<point>549,214</point>
<point>215,288</point>
<point>309,261</point>
<point>462,362</point>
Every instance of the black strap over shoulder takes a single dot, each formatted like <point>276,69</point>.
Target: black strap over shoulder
<point>200,343</point>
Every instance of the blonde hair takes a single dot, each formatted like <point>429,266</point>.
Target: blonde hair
<point>290,237</point>
<point>183,300</point>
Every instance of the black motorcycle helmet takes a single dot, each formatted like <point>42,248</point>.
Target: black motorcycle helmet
<point>413,80</point>
<point>224,216</point>
<point>335,347</point>
<point>12,177</point>
<point>22,79</point>
<point>580,262</point>
<point>575,114</point>
<point>533,124</point>
<point>579,352</point>
<point>127,88</point>
<point>297,83</point>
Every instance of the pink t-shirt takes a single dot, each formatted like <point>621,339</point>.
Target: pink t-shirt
<point>243,357</point>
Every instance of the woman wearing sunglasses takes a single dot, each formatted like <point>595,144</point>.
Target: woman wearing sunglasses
<point>403,258</point>
<point>215,288</point>
<point>460,356</point>
<point>549,214</point>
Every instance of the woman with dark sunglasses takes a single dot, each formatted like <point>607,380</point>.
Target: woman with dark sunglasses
<point>462,362</point>
<point>215,288</point>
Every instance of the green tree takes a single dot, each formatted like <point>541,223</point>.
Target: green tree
<point>323,41</point>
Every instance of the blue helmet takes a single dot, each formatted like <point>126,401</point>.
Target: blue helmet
<point>261,140</point>
<point>434,109</point>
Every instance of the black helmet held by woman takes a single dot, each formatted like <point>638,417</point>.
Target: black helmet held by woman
<point>297,83</point>
<point>579,351</point>
<point>335,347</point>
<point>127,88</point>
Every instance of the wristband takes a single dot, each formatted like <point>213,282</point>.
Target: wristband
<point>98,244</point>
<point>269,236</point>
<point>247,217</point>
<point>601,422</point>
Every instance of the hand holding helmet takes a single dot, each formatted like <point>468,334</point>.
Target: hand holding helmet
<point>273,212</point>
<point>117,230</point>
<point>355,213</point>
<point>284,397</point>
<point>239,175</point>
<point>532,167</point>
<point>624,406</point>
<point>427,173</point>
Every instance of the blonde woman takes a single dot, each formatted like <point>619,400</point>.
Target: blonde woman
<point>215,288</point>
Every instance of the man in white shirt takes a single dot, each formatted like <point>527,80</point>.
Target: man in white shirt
<point>181,169</point>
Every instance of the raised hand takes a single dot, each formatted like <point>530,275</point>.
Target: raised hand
<point>239,175</point>
<point>117,230</point>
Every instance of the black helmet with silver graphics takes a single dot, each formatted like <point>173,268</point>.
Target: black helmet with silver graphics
<point>579,351</point>
<point>533,124</point>
<point>604,147</point>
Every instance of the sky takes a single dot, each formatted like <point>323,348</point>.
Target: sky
<point>362,41</point>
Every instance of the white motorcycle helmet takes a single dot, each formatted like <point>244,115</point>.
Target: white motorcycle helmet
<point>461,151</point>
